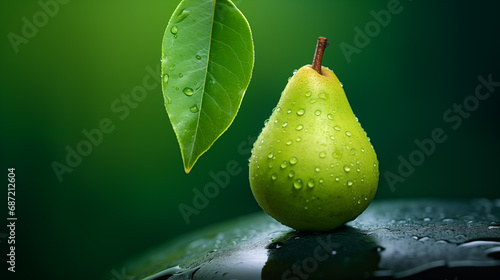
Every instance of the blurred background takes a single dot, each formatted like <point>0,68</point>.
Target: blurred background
<point>68,69</point>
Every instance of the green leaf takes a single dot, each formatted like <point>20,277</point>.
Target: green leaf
<point>207,62</point>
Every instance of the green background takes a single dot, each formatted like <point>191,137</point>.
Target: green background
<point>123,198</point>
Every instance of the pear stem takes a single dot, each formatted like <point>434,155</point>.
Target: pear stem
<point>318,55</point>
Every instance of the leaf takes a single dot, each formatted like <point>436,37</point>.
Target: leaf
<point>207,62</point>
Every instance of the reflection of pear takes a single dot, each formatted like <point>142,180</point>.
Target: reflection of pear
<point>345,253</point>
<point>313,167</point>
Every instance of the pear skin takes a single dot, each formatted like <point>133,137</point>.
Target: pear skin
<point>313,167</point>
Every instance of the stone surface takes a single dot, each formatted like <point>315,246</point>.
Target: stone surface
<point>399,239</point>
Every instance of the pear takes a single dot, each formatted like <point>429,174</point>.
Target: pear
<point>313,167</point>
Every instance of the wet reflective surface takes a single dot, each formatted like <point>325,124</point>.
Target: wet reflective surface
<point>400,239</point>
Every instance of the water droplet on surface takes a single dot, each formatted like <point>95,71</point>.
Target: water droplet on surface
<point>194,109</point>
<point>330,117</point>
<point>293,160</point>
<point>284,165</point>
<point>321,181</point>
<point>301,112</point>
<point>198,57</point>
<point>362,150</point>
<point>294,71</point>
<point>165,79</point>
<point>348,133</point>
<point>310,183</point>
<point>477,243</point>
<point>174,29</point>
<point>297,184</point>
<point>305,207</point>
<point>349,183</point>
<point>317,112</point>
<point>341,85</point>
<point>298,139</point>
<point>322,95</point>
<point>289,111</point>
<point>427,219</point>
<point>337,179</point>
<point>493,252</point>
<point>494,227</point>
<point>322,154</point>
<point>317,169</point>
<point>275,245</point>
<point>284,124</point>
<point>336,128</point>
<point>308,94</point>
<point>313,100</point>
<point>274,176</point>
<point>337,153</point>
<point>353,151</point>
<point>182,15</point>
<point>169,99</point>
<point>299,127</point>
<point>188,91</point>
<point>347,168</point>
<point>181,75</point>
<point>266,122</point>
<point>289,142</point>
<point>291,174</point>
<point>270,155</point>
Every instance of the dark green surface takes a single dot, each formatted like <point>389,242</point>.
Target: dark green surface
<point>409,239</point>
<point>123,198</point>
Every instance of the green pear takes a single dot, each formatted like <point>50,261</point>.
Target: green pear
<point>313,167</point>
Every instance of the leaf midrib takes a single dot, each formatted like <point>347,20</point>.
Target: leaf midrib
<point>204,85</point>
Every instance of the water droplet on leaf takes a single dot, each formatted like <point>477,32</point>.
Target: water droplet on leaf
<point>188,91</point>
<point>182,15</point>
<point>194,109</point>
<point>169,99</point>
<point>174,29</point>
